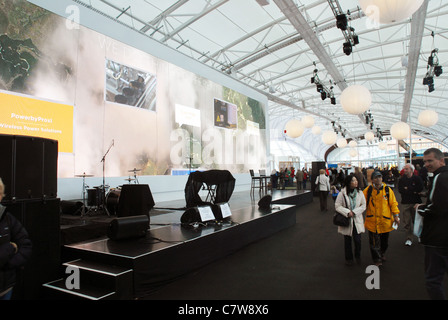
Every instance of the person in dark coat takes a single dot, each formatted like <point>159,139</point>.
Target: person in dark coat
<point>15,248</point>
<point>409,186</point>
<point>434,235</point>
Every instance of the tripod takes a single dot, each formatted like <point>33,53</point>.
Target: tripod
<point>84,188</point>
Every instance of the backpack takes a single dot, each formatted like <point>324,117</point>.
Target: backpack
<point>369,193</point>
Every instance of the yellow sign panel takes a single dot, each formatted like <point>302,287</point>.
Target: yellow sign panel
<point>25,116</point>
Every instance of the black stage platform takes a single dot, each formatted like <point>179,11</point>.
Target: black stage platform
<point>170,249</point>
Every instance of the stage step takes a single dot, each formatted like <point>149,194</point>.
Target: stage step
<point>97,281</point>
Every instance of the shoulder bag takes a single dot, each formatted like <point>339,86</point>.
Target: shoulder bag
<point>339,219</point>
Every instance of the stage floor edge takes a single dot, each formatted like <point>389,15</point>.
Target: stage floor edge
<point>168,252</point>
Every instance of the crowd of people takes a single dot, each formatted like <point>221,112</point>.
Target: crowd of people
<point>373,208</point>
<point>285,178</point>
<point>367,197</point>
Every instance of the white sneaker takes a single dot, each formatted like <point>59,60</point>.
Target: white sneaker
<point>408,243</point>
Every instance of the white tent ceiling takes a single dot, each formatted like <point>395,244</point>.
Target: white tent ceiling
<point>275,48</point>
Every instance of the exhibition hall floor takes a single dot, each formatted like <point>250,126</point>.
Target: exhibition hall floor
<point>304,262</point>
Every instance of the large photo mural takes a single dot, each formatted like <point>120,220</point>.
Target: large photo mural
<point>110,104</point>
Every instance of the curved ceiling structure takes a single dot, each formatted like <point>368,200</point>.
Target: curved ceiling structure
<point>277,46</point>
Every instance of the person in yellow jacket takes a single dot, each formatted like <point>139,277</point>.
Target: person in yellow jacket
<point>382,215</point>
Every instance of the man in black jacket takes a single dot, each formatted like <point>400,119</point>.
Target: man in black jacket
<point>434,235</point>
<point>409,187</point>
<point>15,248</point>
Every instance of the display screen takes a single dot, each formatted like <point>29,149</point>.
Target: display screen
<point>129,86</point>
<point>226,114</point>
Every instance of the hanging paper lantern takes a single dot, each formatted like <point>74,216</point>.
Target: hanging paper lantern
<point>316,130</point>
<point>353,153</point>
<point>356,99</point>
<point>353,144</point>
<point>428,118</point>
<point>382,145</point>
<point>400,130</point>
<point>342,143</point>
<point>369,136</point>
<point>389,11</point>
<point>308,121</point>
<point>294,128</point>
<point>329,137</point>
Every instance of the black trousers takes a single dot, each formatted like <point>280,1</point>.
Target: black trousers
<point>379,242</point>
<point>323,195</point>
<point>356,238</point>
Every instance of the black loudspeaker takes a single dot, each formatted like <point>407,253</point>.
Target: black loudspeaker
<point>71,207</point>
<point>128,227</point>
<point>191,215</point>
<point>28,167</point>
<point>41,219</point>
<point>135,199</point>
<point>265,202</point>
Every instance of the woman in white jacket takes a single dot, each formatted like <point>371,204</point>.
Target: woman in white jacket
<point>351,203</point>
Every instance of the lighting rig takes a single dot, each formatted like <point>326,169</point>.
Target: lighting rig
<point>351,38</point>
<point>338,129</point>
<point>369,119</point>
<point>322,89</point>
<point>433,69</point>
<point>379,134</point>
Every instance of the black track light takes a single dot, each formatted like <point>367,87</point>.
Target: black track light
<point>342,22</point>
<point>347,48</point>
<point>323,95</point>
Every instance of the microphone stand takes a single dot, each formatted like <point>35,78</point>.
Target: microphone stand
<point>103,195</point>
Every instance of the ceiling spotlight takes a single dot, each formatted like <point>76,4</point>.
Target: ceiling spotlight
<point>333,100</point>
<point>323,95</point>
<point>438,71</point>
<point>341,21</point>
<point>428,80</point>
<point>312,79</point>
<point>347,48</point>
<point>431,87</point>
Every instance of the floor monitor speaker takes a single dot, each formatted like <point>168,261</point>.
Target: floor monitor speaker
<point>128,227</point>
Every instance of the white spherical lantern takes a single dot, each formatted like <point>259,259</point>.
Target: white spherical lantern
<point>400,130</point>
<point>428,118</point>
<point>316,130</point>
<point>341,142</point>
<point>294,128</point>
<point>369,136</point>
<point>308,121</point>
<point>356,99</point>
<point>353,144</point>
<point>382,145</point>
<point>353,153</point>
<point>329,137</point>
<point>389,11</point>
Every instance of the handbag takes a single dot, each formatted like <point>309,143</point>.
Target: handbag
<point>339,219</point>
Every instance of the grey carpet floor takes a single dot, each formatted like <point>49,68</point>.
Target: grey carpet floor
<point>304,262</point>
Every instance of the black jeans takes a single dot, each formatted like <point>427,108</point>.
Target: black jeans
<point>379,242</point>
<point>436,265</point>
<point>323,195</point>
<point>356,237</point>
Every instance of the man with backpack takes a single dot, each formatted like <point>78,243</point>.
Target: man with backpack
<point>382,216</point>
